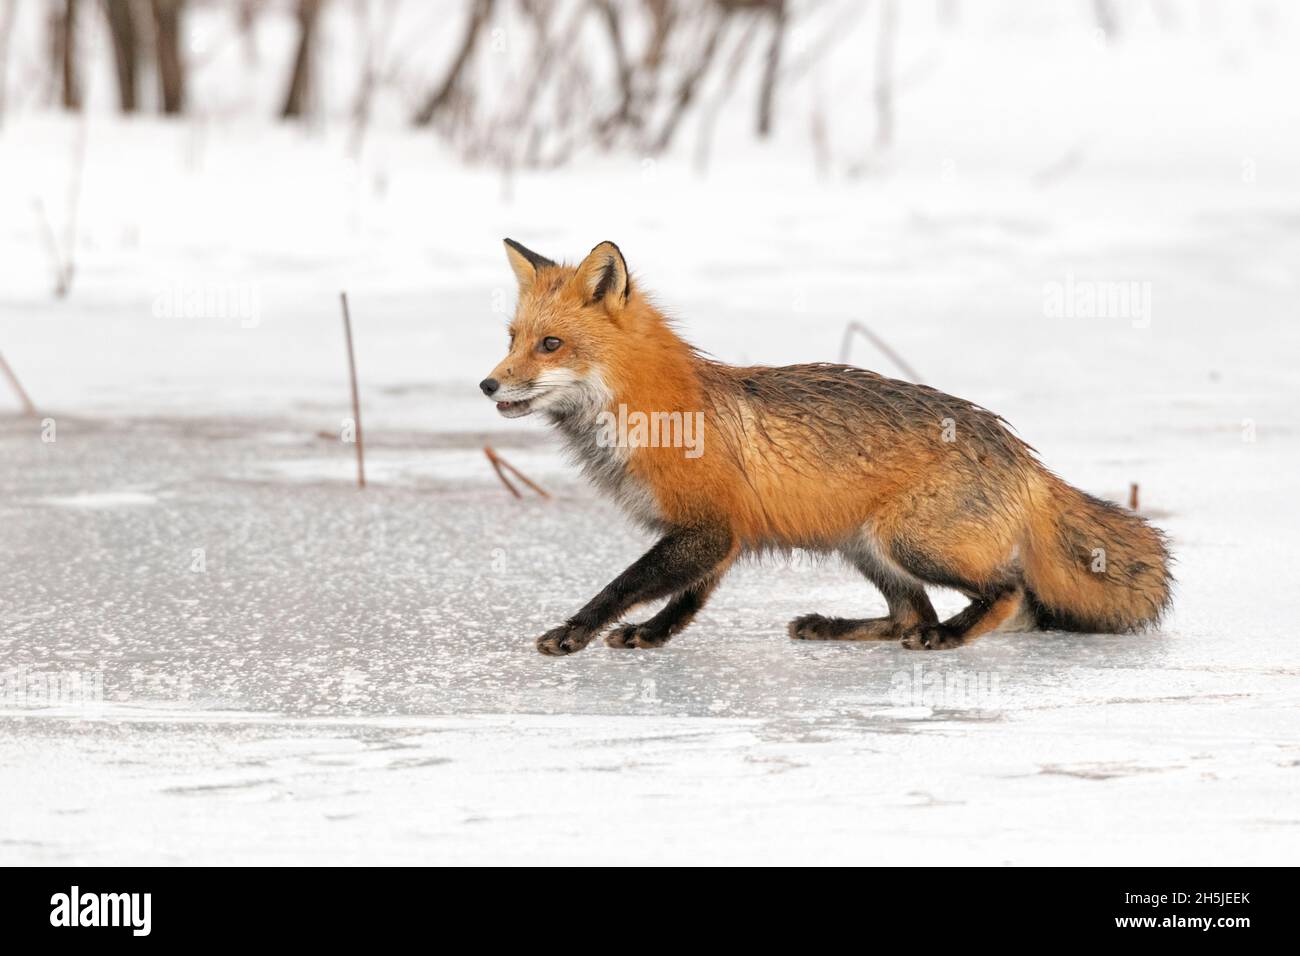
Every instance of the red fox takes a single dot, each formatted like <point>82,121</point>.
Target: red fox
<point>909,485</point>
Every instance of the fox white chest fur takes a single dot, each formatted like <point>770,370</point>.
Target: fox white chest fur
<point>605,464</point>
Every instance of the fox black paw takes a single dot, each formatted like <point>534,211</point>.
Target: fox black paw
<point>634,635</point>
<point>934,637</point>
<point>565,639</point>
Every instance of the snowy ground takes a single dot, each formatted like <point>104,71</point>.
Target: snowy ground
<point>350,676</point>
<point>251,661</point>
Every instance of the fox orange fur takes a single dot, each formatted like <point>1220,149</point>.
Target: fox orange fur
<point>911,486</point>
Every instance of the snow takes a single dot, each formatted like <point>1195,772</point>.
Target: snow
<point>351,677</point>
<point>214,648</point>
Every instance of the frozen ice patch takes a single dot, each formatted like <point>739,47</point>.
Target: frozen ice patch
<point>101,499</point>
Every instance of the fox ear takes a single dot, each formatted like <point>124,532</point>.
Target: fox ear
<point>603,274</point>
<point>525,262</point>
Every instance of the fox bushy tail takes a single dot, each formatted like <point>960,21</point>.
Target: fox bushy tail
<point>1094,566</point>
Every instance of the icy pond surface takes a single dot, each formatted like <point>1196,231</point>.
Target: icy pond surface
<point>251,660</point>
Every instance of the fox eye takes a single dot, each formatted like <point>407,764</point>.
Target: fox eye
<point>551,343</point>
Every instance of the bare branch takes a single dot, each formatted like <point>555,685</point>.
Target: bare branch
<point>479,14</point>
<point>861,329</point>
<point>689,85</point>
<point>356,395</point>
<point>24,398</point>
<point>501,466</point>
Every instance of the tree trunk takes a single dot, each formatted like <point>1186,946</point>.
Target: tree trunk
<point>6,32</point>
<point>771,70</point>
<point>246,18</point>
<point>126,50</point>
<point>65,51</point>
<point>295,100</point>
<point>622,115</point>
<point>171,67</point>
<point>479,14</point>
<point>884,89</point>
<point>689,84</point>
<point>1107,19</point>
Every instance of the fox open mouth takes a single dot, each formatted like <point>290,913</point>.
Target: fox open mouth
<point>517,409</point>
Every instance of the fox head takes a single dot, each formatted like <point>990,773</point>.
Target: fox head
<point>567,320</point>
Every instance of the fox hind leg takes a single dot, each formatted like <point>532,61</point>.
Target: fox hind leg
<point>982,615</point>
<point>818,627</point>
<point>974,565</point>
<point>909,608</point>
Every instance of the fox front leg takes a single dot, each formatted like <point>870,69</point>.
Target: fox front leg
<point>671,620</point>
<point>680,559</point>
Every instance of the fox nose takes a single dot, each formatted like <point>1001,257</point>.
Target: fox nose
<point>489,386</point>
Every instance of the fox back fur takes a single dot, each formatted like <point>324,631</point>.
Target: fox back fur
<point>911,486</point>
